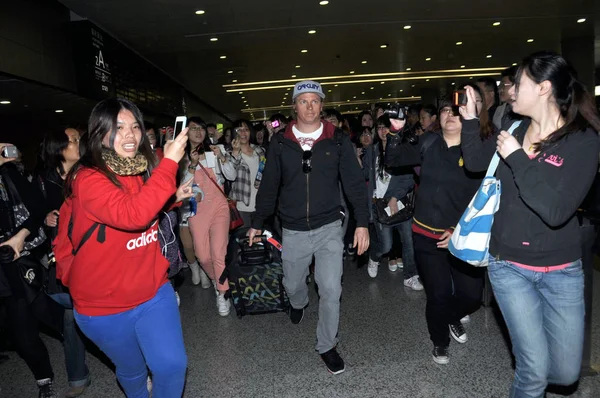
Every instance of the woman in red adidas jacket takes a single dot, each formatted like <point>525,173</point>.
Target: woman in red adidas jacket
<point>117,276</point>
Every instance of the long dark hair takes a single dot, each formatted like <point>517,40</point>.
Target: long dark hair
<point>103,121</point>
<point>205,144</point>
<point>383,120</point>
<point>575,103</point>
<point>240,123</point>
<point>51,155</point>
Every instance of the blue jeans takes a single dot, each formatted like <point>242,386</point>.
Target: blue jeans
<point>544,313</point>
<point>385,241</point>
<point>148,335</point>
<point>77,370</point>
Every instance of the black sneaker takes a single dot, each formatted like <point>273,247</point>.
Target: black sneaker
<point>46,389</point>
<point>296,316</point>
<point>457,331</point>
<point>440,355</point>
<point>333,361</point>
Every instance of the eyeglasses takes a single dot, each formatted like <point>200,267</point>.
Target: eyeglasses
<point>451,111</point>
<point>306,162</point>
<point>196,128</point>
<point>241,129</point>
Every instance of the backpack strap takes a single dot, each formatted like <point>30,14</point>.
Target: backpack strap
<point>101,237</point>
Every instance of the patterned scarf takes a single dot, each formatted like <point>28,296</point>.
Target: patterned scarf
<point>125,166</point>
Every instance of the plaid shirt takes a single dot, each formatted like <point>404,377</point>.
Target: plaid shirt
<point>241,188</point>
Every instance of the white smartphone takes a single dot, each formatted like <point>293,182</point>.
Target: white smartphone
<point>180,124</point>
<point>211,160</point>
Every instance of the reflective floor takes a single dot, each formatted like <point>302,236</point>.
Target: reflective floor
<point>384,342</point>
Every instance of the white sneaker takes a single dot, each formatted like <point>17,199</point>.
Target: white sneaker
<point>399,263</point>
<point>392,265</point>
<point>195,268</point>
<point>466,319</point>
<point>413,283</point>
<point>372,268</point>
<point>204,279</point>
<point>223,305</point>
<point>178,299</point>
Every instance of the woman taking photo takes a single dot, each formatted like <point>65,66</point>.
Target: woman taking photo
<point>209,227</point>
<point>118,277</point>
<point>453,288</point>
<point>392,185</point>
<point>547,168</point>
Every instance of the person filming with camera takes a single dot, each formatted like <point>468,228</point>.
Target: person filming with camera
<point>453,288</point>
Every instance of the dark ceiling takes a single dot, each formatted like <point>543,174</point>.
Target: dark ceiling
<point>262,41</point>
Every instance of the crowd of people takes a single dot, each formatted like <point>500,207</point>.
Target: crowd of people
<point>94,238</point>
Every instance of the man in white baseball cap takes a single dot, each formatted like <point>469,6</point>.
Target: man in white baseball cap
<point>308,161</point>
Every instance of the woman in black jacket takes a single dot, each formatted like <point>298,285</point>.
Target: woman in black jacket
<point>535,250</point>
<point>22,240</point>
<point>60,151</point>
<point>453,288</point>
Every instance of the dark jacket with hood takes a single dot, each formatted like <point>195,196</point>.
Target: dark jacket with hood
<point>312,200</point>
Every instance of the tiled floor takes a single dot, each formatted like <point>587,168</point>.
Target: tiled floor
<point>384,342</point>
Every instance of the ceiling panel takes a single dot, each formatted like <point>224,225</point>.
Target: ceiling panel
<point>262,40</point>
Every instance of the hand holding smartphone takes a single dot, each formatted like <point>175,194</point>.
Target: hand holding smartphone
<point>8,153</point>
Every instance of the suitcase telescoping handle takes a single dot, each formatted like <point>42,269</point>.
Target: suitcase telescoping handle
<point>246,241</point>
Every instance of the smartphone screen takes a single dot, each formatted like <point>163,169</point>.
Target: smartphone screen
<point>275,123</point>
<point>179,126</point>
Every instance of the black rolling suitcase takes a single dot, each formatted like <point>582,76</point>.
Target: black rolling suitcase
<point>255,275</point>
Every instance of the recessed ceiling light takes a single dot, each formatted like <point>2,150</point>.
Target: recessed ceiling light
<point>363,62</point>
<point>223,56</point>
<point>293,76</point>
<point>529,40</point>
<point>413,85</point>
<point>401,90</point>
<point>380,98</point>
<point>426,80</point>
<point>514,64</point>
<point>372,88</point>
<point>459,43</point>
<point>333,86</point>
<point>427,59</point>
<point>243,97</point>
<point>383,46</point>
<point>453,83</point>
<point>463,66</point>
<point>297,66</point>
<point>408,69</point>
<point>5,102</point>
<point>489,56</point>
<point>312,32</point>
<point>241,92</point>
<point>349,100</point>
<point>382,83</point>
<point>214,39</point>
<point>389,95</point>
<point>304,51</point>
<point>363,93</point>
<point>351,72</point>
<point>323,3</point>
<point>407,27</point>
<point>230,72</point>
<point>328,91</point>
<point>581,20</point>
<point>59,111</point>
<point>354,97</point>
<point>234,81</point>
<point>496,23</point>
<point>471,78</point>
<point>200,12</point>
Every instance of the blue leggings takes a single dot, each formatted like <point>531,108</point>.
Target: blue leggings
<point>147,336</point>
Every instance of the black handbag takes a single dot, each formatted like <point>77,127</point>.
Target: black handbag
<point>404,214</point>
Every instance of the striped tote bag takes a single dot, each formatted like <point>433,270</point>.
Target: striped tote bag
<point>470,240</point>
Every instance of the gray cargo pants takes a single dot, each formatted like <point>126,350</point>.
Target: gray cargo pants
<point>326,244</point>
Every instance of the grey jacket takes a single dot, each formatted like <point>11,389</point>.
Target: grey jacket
<point>401,183</point>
